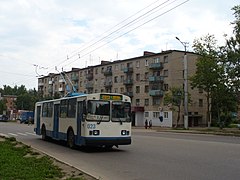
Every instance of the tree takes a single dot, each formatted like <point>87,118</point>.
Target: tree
<point>3,106</point>
<point>231,54</point>
<point>209,73</point>
<point>174,97</point>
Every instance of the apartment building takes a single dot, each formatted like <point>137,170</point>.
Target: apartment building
<point>145,79</point>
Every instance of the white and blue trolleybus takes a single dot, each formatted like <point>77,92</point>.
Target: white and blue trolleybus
<point>99,119</point>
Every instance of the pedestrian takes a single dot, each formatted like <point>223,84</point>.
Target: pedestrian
<point>150,124</point>
<point>146,124</point>
<point>30,121</point>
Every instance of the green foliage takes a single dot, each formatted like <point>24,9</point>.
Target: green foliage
<point>209,73</point>
<point>3,106</point>
<point>14,164</point>
<point>174,97</point>
<point>26,99</point>
<point>231,53</point>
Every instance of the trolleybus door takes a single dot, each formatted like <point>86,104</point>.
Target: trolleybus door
<point>56,121</point>
<point>38,130</point>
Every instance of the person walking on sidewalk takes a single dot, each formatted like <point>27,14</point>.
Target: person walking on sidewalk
<point>146,124</point>
<point>150,124</point>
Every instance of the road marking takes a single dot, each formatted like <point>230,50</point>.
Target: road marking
<point>12,134</point>
<point>22,134</point>
<point>5,135</point>
<point>30,133</point>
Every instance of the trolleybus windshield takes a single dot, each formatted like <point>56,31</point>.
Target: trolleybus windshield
<point>121,111</point>
<point>98,110</point>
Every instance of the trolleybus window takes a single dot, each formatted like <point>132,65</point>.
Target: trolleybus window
<point>71,108</point>
<point>47,109</point>
<point>99,108</point>
<point>121,111</point>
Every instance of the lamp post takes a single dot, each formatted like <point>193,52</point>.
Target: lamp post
<point>185,83</point>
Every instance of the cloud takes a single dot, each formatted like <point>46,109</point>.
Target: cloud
<point>47,32</point>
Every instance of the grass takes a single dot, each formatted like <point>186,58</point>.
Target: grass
<point>18,161</point>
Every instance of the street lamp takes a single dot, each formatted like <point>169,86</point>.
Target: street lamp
<point>185,83</point>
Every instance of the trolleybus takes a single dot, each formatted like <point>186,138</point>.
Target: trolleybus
<point>99,119</point>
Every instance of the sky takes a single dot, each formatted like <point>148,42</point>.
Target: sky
<point>48,36</point>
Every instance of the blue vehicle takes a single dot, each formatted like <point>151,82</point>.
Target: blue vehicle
<point>26,116</point>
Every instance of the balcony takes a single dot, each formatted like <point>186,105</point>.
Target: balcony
<point>108,84</point>
<point>61,80</point>
<point>90,76</point>
<point>130,94</point>
<point>108,72</point>
<point>156,79</point>
<point>40,84</point>
<point>156,93</point>
<point>75,78</point>
<point>128,70</point>
<point>50,90</point>
<point>61,89</point>
<point>128,82</point>
<point>156,66</point>
<point>89,85</point>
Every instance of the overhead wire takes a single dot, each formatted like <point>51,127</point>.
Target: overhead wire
<point>100,38</point>
<point>130,30</point>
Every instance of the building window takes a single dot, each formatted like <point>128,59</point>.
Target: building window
<point>137,102</point>
<point>146,90</point>
<point>137,77</point>
<point>165,73</point>
<point>156,114</point>
<point>146,102</point>
<point>102,70</point>
<point>200,90</point>
<point>122,89</point>
<point>156,101</point>
<point>165,87</point>
<point>156,60</point>
<point>137,64</point>
<point>165,59</point>
<point>146,76</point>
<point>122,67</point>
<point>146,62</point>
<point>115,79</point>
<point>165,114</point>
<point>116,67</point>
<point>115,90</point>
<point>96,71</point>
<point>200,102</point>
<point>146,114</point>
<point>137,89</point>
<point>121,79</point>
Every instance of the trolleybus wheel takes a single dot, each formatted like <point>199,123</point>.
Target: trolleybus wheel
<point>70,139</point>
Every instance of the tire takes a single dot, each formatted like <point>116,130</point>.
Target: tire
<point>44,134</point>
<point>70,139</point>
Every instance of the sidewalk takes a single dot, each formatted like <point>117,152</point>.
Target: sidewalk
<point>195,130</point>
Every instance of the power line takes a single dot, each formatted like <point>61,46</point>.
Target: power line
<point>117,30</point>
<point>132,29</point>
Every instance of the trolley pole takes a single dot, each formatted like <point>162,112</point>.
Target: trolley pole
<point>185,77</point>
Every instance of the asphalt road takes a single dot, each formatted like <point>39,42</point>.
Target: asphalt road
<point>152,155</point>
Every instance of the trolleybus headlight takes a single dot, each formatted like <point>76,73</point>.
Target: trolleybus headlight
<point>96,132</point>
<point>123,132</point>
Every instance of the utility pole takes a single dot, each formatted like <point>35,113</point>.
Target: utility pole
<point>185,77</point>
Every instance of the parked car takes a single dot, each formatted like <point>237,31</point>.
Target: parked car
<point>3,117</point>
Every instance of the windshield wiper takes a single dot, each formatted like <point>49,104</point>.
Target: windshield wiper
<point>101,117</point>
